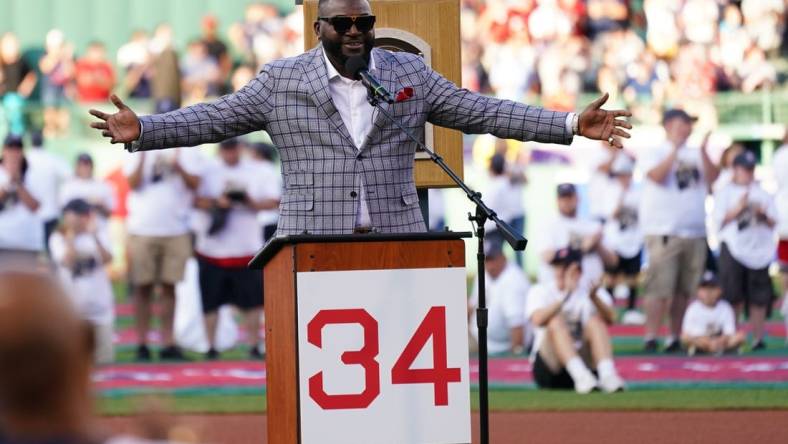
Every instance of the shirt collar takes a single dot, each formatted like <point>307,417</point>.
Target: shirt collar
<point>333,73</point>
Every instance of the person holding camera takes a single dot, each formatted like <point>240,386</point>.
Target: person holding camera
<point>571,315</point>
<point>230,196</point>
<point>747,217</point>
<point>159,244</point>
<point>21,229</point>
<point>80,250</point>
<point>673,220</point>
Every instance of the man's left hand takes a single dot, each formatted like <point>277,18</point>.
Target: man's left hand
<point>599,124</point>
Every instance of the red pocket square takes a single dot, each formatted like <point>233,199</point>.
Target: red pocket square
<point>404,94</point>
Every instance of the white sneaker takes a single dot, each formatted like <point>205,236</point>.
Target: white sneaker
<point>586,383</point>
<point>633,317</point>
<point>612,383</point>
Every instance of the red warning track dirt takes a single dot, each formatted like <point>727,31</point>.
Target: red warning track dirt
<point>762,427</point>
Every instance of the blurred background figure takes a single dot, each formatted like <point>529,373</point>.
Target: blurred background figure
<point>57,67</point>
<point>747,217</point>
<point>262,157</point>
<point>231,194</point>
<point>94,74</point>
<point>673,219</point>
<point>505,195</point>
<point>780,165</point>
<point>80,252</point>
<point>165,70</point>
<point>48,172</point>
<point>622,235</point>
<point>17,80</point>
<point>709,326</point>
<point>134,59</point>
<point>159,244</point>
<point>84,185</point>
<point>217,52</point>
<point>21,229</point>
<point>200,73</point>
<point>506,290</point>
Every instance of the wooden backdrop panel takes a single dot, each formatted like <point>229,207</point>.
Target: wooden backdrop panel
<point>438,23</point>
<point>380,255</point>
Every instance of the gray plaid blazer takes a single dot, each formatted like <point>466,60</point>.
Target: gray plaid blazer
<point>323,171</point>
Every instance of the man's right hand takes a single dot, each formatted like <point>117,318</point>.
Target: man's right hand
<point>121,127</point>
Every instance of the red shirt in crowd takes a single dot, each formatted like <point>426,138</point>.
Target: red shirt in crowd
<point>95,80</point>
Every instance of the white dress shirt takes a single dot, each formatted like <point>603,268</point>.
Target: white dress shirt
<point>350,100</point>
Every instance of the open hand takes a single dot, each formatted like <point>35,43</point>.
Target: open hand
<point>598,124</point>
<point>121,127</point>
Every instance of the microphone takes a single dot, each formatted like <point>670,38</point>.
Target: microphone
<point>357,67</point>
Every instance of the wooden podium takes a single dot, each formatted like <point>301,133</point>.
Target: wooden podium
<point>351,321</point>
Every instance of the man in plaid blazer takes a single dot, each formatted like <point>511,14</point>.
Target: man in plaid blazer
<point>338,174</point>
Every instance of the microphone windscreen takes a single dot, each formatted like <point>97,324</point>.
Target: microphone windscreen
<point>354,65</point>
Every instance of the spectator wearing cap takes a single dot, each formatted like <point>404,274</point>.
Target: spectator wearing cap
<point>84,185</point>
<point>747,217</point>
<point>162,190</point>
<point>21,230</point>
<point>571,230</point>
<point>230,195</point>
<point>571,318</point>
<point>262,160</point>
<point>48,172</point>
<point>780,166</point>
<point>506,289</point>
<point>505,196</point>
<point>80,250</point>
<point>709,325</point>
<point>622,235</point>
<point>673,220</point>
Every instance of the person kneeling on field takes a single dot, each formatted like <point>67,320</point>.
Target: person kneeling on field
<point>571,318</point>
<point>709,324</point>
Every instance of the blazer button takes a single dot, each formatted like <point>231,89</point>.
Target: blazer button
<point>353,194</point>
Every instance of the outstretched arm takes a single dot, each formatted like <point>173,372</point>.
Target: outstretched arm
<point>472,113</point>
<point>229,116</point>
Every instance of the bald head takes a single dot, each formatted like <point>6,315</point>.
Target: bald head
<point>45,351</point>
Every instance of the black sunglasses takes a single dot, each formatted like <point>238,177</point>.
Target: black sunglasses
<point>343,23</point>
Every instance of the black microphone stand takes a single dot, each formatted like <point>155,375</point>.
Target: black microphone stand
<point>482,215</point>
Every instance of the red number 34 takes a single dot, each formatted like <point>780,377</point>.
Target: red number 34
<point>433,326</point>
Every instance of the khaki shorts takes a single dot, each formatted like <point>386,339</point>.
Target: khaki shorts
<point>675,266</point>
<point>155,259</point>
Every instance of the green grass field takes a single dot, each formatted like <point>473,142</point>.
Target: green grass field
<point>500,400</point>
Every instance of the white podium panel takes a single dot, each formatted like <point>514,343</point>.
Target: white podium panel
<point>383,357</point>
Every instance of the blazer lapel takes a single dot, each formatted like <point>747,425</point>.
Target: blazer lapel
<point>385,75</point>
<point>317,83</point>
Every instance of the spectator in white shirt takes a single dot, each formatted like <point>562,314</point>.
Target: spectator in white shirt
<point>571,318</point>
<point>83,185</point>
<point>673,220</point>
<point>80,252</point>
<point>747,217</point>
<point>21,230</point>
<point>506,290</point>
<point>622,235</point>
<point>505,196</point>
<point>231,194</point>
<point>709,325</point>
<point>600,160</point>
<point>780,165</point>
<point>158,245</point>
<point>570,230</point>
<point>724,172</point>
<point>47,173</point>
<point>262,158</point>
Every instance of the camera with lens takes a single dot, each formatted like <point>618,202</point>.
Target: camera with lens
<point>745,219</point>
<point>84,265</point>
<point>236,195</point>
<point>627,217</point>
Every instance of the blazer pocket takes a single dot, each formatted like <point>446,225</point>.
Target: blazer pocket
<point>410,196</point>
<point>293,202</point>
<point>299,179</point>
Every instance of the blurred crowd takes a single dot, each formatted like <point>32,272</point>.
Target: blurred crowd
<point>648,54</point>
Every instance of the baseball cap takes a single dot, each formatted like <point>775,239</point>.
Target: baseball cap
<point>233,142</point>
<point>79,206</point>
<point>674,113</point>
<point>13,141</point>
<point>84,158</point>
<point>745,159</point>
<point>566,189</point>
<point>623,164</point>
<point>493,245</point>
<point>709,279</point>
<point>566,256</point>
